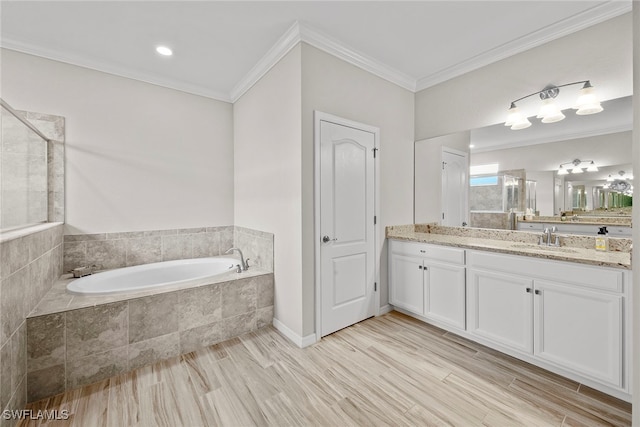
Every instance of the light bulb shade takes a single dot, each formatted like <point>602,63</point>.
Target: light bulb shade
<point>562,171</point>
<point>587,102</point>
<point>609,178</point>
<point>522,124</point>
<point>513,116</point>
<point>592,167</point>
<point>550,112</point>
<point>576,170</point>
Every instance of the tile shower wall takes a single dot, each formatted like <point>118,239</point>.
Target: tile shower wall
<point>29,265</point>
<point>78,347</point>
<point>116,250</point>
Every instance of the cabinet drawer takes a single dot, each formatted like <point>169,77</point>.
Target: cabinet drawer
<point>530,226</point>
<point>424,250</point>
<point>576,274</point>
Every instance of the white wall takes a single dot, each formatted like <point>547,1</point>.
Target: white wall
<point>601,53</point>
<point>267,128</point>
<point>138,156</point>
<point>636,219</point>
<point>333,86</point>
<point>428,174</point>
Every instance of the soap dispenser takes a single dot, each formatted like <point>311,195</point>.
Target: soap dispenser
<point>602,242</point>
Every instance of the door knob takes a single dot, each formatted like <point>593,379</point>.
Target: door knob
<point>326,239</point>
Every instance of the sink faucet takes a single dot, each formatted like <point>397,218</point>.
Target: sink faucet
<point>244,265</point>
<point>548,231</point>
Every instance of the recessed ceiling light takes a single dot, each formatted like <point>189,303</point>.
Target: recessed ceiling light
<point>164,51</point>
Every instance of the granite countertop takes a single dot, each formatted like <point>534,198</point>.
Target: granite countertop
<point>577,249</point>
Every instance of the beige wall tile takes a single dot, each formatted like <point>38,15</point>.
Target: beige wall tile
<point>237,297</point>
<point>153,350</point>
<point>199,306</point>
<point>45,341</point>
<point>45,382</point>
<point>153,316</point>
<point>96,367</point>
<point>96,329</point>
<point>144,250</point>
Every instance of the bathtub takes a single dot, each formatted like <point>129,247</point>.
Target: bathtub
<point>148,276</point>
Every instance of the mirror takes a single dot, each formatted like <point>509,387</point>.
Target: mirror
<point>524,179</point>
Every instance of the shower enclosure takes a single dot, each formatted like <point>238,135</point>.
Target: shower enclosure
<point>31,168</point>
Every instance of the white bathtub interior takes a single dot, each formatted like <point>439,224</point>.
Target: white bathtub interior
<point>149,276</point>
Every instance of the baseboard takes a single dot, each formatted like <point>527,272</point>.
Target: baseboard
<point>385,309</point>
<point>298,340</point>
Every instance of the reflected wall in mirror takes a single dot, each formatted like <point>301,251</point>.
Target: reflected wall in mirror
<point>526,181</point>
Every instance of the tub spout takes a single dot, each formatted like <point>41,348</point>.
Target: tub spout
<point>244,265</point>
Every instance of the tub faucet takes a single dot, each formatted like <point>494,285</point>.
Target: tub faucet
<point>244,265</point>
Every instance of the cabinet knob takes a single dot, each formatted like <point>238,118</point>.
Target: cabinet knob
<point>420,267</point>
<point>538,291</point>
<point>528,290</point>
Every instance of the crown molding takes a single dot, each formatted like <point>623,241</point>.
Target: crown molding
<point>353,57</point>
<point>302,33</point>
<point>8,42</point>
<point>564,137</point>
<point>284,44</point>
<point>562,28</point>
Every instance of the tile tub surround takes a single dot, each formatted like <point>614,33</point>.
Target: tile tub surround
<point>116,250</point>
<point>30,262</point>
<point>509,242</point>
<point>74,347</point>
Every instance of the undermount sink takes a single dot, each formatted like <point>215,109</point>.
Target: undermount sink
<point>543,247</point>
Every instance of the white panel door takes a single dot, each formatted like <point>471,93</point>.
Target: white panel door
<point>346,226</point>
<point>580,330</point>
<point>500,308</point>
<point>455,185</point>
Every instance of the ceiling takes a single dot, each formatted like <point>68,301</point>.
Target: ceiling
<point>221,48</point>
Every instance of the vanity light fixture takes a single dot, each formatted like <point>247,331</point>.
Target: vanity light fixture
<point>164,51</point>
<point>587,103</point>
<point>621,184</point>
<point>577,167</point>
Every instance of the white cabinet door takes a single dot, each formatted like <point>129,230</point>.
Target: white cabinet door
<point>579,329</point>
<point>407,283</point>
<point>445,293</point>
<point>500,308</point>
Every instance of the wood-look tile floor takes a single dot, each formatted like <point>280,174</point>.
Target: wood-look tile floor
<point>391,370</point>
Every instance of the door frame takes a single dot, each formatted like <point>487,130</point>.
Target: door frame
<point>466,188</point>
<point>319,116</point>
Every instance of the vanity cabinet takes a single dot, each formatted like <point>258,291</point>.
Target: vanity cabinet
<point>570,316</point>
<point>500,308</point>
<point>429,281</point>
